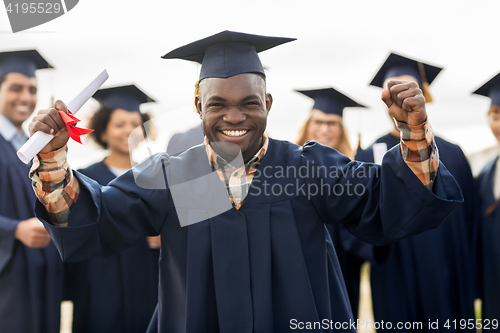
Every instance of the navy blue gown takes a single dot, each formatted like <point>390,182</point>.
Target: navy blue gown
<point>264,267</point>
<point>351,252</point>
<point>489,245</point>
<point>180,142</point>
<point>115,294</point>
<point>31,280</point>
<point>430,275</point>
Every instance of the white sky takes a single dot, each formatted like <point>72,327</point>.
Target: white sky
<point>340,44</point>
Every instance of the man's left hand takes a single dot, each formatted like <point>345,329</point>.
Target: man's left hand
<point>405,101</point>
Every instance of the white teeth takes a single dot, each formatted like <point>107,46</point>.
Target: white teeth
<point>235,133</point>
<point>23,108</point>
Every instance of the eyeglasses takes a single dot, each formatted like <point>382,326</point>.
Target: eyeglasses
<point>329,124</point>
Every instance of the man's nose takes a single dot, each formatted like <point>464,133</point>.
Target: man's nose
<point>234,115</point>
<point>26,96</point>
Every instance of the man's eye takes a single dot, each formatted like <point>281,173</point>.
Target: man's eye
<point>214,104</point>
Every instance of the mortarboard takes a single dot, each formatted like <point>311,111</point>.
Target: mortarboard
<point>122,97</point>
<point>397,65</point>
<point>330,100</point>
<point>491,89</point>
<point>227,53</point>
<point>25,62</point>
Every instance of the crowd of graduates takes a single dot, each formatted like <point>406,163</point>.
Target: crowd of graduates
<point>216,274</point>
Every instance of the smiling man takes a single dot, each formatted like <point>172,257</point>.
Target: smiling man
<point>238,117</point>
<point>261,264</point>
<point>29,263</point>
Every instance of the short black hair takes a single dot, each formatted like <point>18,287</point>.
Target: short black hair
<point>262,76</point>
<point>3,78</point>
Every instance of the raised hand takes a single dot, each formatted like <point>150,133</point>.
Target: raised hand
<point>49,121</point>
<point>405,101</point>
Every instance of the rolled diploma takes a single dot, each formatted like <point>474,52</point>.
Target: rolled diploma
<point>41,139</point>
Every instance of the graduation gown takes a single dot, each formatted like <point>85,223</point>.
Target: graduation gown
<point>430,275</point>
<point>115,294</point>
<point>489,248</point>
<point>183,141</point>
<point>351,252</point>
<point>264,267</point>
<point>31,280</point>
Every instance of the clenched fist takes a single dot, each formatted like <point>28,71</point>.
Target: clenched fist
<point>405,101</point>
<point>32,233</point>
<point>50,121</point>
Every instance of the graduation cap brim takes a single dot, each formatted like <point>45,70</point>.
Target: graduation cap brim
<point>195,51</point>
<point>330,100</point>
<point>25,62</point>
<point>484,90</point>
<point>227,53</point>
<point>491,89</point>
<point>127,97</point>
<point>395,60</point>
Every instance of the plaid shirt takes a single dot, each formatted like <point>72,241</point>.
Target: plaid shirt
<point>57,188</point>
<point>236,179</point>
<point>419,151</point>
<point>54,184</point>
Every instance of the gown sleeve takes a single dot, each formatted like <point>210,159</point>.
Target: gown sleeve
<point>379,204</point>
<point>141,194</point>
<point>7,238</point>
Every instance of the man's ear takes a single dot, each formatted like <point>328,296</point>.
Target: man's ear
<point>269,102</point>
<point>197,104</point>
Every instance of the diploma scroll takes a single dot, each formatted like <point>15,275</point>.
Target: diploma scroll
<point>41,139</point>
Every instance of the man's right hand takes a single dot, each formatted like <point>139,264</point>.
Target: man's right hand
<point>32,233</point>
<point>50,121</point>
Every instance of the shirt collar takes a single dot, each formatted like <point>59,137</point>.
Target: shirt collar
<point>7,129</point>
<point>215,160</point>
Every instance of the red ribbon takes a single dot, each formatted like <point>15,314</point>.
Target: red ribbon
<point>73,131</point>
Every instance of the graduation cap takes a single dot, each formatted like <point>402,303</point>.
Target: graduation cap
<point>330,101</point>
<point>227,53</point>
<point>397,65</point>
<point>122,97</point>
<point>491,89</point>
<point>25,62</point>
